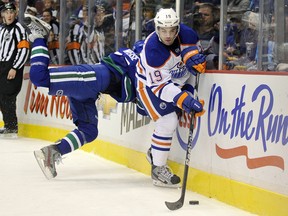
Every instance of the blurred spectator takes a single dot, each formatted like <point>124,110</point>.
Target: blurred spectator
<point>148,23</point>
<point>214,2</point>
<point>16,3</point>
<point>206,23</point>
<point>254,5</point>
<point>165,4</point>
<point>129,25</point>
<point>109,28</point>
<point>268,6</point>
<point>53,40</point>
<point>205,18</point>
<point>70,10</point>
<point>76,45</point>
<point>79,10</point>
<point>271,44</point>
<point>238,5</point>
<point>1,18</point>
<point>234,29</point>
<point>48,5</point>
<point>39,5</point>
<point>249,35</point>
<point>96,43</point>
<point>31,3</point>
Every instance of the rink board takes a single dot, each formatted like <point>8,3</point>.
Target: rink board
<point>240,146</point>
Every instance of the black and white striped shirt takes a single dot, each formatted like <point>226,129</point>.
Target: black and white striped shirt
<point>14,45</point>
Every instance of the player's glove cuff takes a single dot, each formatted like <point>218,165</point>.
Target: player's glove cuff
<point>184,101</point>
<point>199,114</point>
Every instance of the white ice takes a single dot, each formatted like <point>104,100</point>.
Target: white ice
<point>87,185</point>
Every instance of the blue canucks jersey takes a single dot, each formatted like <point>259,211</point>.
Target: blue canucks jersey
<point>123,64</point>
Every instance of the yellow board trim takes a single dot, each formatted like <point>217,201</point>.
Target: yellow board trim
<point>244,196</point>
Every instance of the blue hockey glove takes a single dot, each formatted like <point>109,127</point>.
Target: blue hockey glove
<point>194,60</point>
<point>184,101</point>
<point>198,114</point>
<point>190,89</point>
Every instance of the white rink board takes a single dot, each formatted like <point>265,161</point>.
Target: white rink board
<point>242,136</point>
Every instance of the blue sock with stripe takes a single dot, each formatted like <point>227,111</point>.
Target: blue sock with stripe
<point>71,142</point>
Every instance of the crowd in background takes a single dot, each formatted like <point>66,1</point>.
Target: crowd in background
<point>242,30</point>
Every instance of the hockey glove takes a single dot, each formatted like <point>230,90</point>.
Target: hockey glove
<point>198,114</point>
<point>194,60</point>
<point>184,101</point>
<point>190,89</point>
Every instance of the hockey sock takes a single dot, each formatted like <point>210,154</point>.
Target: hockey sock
<point>162,138</point>
<point>71,142</point>
<point>160,148</point>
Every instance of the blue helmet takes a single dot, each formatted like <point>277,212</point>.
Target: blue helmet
<point>138,46</point>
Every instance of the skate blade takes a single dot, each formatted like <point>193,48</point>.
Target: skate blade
<point>161,184</point>
<point>40,160</point>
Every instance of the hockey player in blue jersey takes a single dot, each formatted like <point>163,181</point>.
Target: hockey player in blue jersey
<point>169,56</point>
<point>82,84</point>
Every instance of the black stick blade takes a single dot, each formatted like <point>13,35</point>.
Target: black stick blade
<point>174,205</point>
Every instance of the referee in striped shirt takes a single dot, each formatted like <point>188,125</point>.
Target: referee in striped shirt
<point>14,52</point>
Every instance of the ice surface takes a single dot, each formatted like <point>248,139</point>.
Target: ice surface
<point>87,185</point>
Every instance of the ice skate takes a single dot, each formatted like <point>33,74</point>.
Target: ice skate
<point>37,28</point>
<point>8,133</point>
<point>163,176</point>
<point>46,158</point>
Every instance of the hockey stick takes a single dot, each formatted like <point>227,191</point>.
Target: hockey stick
<point>179,203</point>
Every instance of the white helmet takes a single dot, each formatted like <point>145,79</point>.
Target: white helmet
<point>166,18</point>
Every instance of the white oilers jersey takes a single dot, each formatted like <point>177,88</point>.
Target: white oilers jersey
<point>179,73</point>
<point>161,67</point>
<point>162,64</point>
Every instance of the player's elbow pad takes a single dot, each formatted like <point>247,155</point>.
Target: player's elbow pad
<point>184,101</point>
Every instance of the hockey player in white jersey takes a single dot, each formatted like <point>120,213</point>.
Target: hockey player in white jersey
<point>169,56</point>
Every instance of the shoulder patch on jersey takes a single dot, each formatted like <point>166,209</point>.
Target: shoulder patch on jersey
<point>187,35</point>
<point>156,52</point>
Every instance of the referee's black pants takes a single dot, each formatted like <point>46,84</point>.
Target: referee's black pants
<point>8,109</point>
